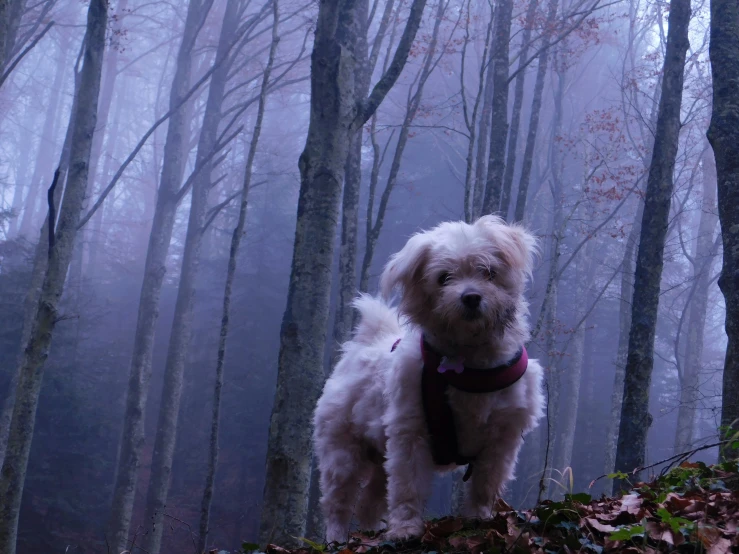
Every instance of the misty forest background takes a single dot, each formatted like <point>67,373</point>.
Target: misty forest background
<point>546,111</point>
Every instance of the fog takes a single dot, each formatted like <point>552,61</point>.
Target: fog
<point>424,160</point>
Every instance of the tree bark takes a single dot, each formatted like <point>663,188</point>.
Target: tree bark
<point>470,180</point>
<point>635,418</point>
<point>25,148</point>
<point>107,91</point>
<point>523,55</point>
<point>61,242</point>
<point>236,238</point>
<point>571,374</point>
<point>697,307</point>
<point>528,156</point>
<point>40,259</point>
<point>181,335</point>
<point>482,142</point>
<point>723,134</point>
<point>43,166</point>
<point>350,201</point>
<point>11,12</point>
<point>624,317</point>
<point>499,126</point>
<point>173,167</point>
<point>375,223</point>
<point>335,116</point>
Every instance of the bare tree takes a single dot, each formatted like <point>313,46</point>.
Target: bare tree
<point>528,156</point>
<point>40,260</point>
<point>635,419</point>
<point>236,238</point>
<point>696,308</point>
<point>723,134</point>
<point>499,126</point>
<point>181,335</point>
<point>15,43</point>
<point>173,167</point>
<point>60,243</point>
<point>335,115</point>
<point>523,55</point>
<point>413,102</point>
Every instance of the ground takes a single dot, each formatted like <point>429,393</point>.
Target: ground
<point>693,508</point>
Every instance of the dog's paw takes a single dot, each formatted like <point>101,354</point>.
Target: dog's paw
<point>336,533</point>
<point>402,530</point>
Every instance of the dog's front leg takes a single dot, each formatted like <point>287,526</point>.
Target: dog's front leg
<point>492,469</point>
<point>409,468</point>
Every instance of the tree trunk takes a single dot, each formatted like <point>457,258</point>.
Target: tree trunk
<point>571,374</point>
<point>25,148</point>
<point>551,296</point>
<point>499,126</point>
<point>624,318</point>
<point>97,232</point>
<point>43,167</point>
<point>106,98</point>
<point>482,142</point>
<point>635,418</point>
<point>40,259</point>
<point>173,167</point>
<point>11,12</point>
<point>374,224</point>
<point>697,305</point>
<point>236,238</point>
<point>335,116</point>
<point>523,55</point>
<point>181,335</point>
<point>723,134</point>
<point>61,242</point>
<point>350,201</point>
<point>528,155</point>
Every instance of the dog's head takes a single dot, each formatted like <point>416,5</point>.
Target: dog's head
<point>463,280</point>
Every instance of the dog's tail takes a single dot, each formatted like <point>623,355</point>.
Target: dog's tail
<point>376,319</point>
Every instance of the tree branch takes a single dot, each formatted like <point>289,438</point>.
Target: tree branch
<point>386,82</point>
<point>20,56</point>
<point>52,209</point>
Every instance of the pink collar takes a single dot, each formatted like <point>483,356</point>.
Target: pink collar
<point>469,379</point>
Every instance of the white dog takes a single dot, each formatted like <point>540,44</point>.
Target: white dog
<point>409,399</point>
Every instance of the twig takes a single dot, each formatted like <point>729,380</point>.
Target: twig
<point>192,535</point>
<point>20,56</point>
<point>52,209</point>
<point>546,450</point>
<point>672,459</point>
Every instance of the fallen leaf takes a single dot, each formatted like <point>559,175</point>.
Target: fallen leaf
<point>502,506</point>
<point>708,534</point>
<point>444,527</point>
<point>476,544</point>
<point>676,503</point>
<point>631,503</point>
<point>598,526</point>
<point>722,546</point>
<point>457,543</point>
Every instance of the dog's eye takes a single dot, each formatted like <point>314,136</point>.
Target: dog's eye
<point>444,278</point>
<point>491,274</point>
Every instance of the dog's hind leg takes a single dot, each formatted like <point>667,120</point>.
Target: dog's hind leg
<point>372,504</point>
<point>341,469</point>
<point>410,473</point>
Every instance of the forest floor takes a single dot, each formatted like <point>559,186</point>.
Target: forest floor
<point>692,508</point>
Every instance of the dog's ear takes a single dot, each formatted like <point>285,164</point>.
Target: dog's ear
<point>515,244</point>
<point>406,267</point>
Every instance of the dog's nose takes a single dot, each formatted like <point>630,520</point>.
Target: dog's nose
<point>471,299</point>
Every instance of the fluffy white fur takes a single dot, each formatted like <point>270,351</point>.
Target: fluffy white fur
<point>370,437</point>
